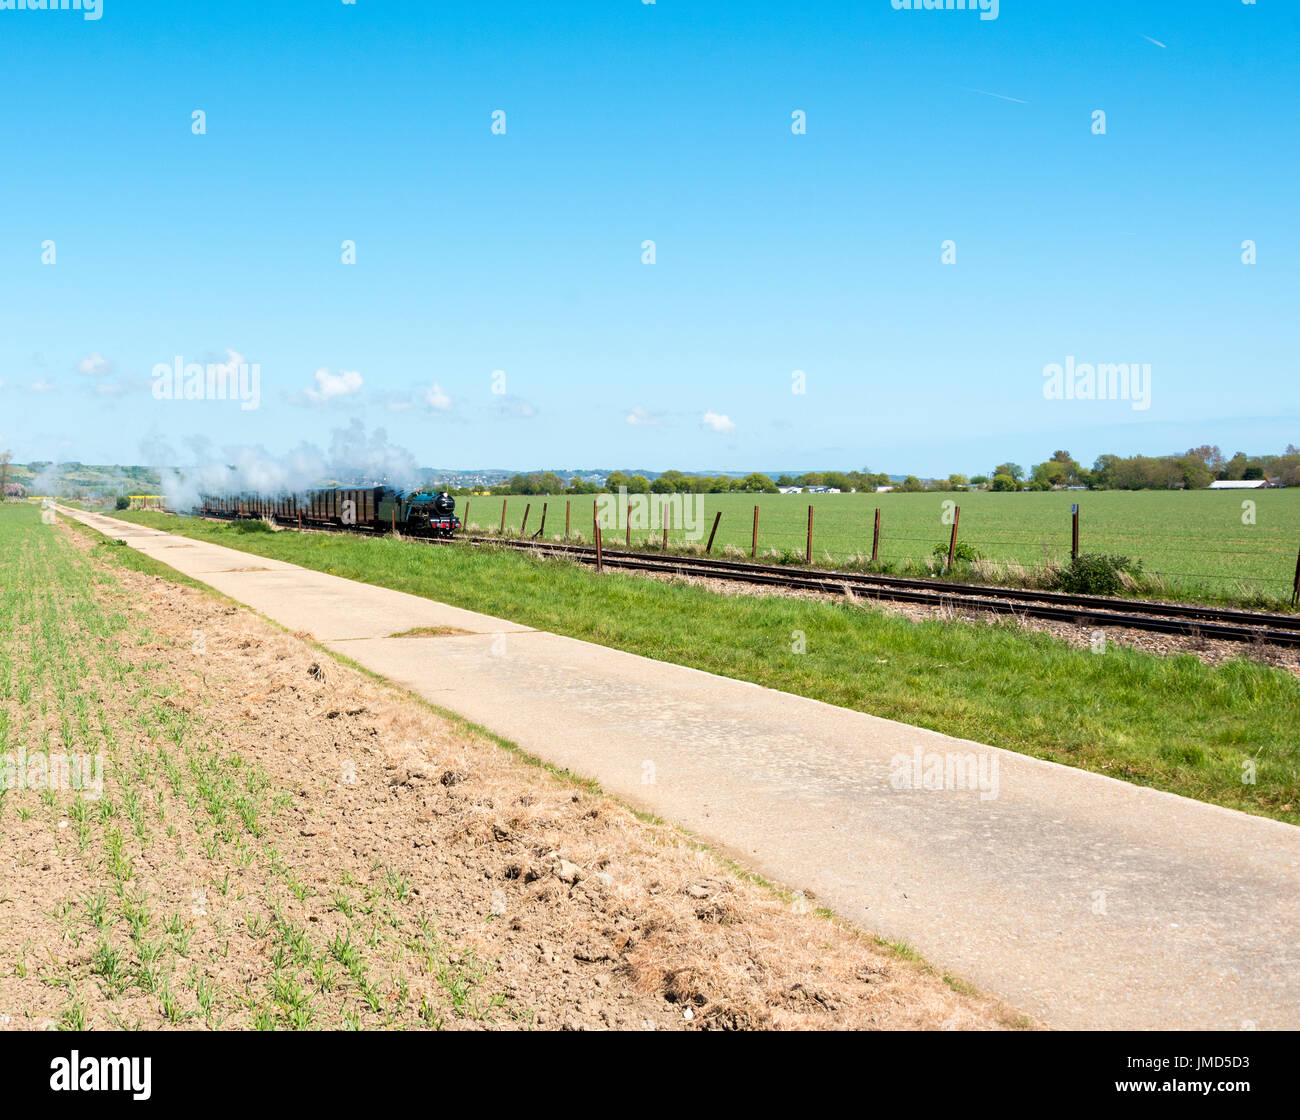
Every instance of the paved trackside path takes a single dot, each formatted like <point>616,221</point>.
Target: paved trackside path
<point>1084,900</point>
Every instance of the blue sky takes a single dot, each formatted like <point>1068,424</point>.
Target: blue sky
<point>625,121</point>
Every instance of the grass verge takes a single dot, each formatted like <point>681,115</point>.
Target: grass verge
<point>1223,734</point>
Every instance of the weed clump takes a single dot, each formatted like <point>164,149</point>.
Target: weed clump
<point>1096,573</point>
<point>964,553</point>
<point>251,525</point>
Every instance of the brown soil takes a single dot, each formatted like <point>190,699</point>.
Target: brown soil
<point>404,869</point>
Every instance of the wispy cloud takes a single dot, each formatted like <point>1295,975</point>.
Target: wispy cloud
<point>345,383</point>
<point>95,365</point>
<point>719,422</point>
<point>1000,96</point>
<point>638,416</point>
<point>510,408</point>
<point>436,399</point>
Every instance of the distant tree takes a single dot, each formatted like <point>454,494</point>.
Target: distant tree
<point>757,484</point>
<point>518,484</point>
<point>1196,474</point>
<point>1004,481</point>
<point>1013,470</point>
<point>674,482</point>
<point>1208,454</point>
<point>1235,468</point>
<point>1046,475</point>
<point>548,482</point>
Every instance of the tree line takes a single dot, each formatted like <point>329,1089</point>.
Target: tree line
<point>1195,469</point>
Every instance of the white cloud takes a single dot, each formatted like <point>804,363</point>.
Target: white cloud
<point>234,359</point>
<point>96,365</point>
<point>330,385</point>
<point>718,421</point>
<point>436,399</point>
<point>639,416</point>
<point>42,386</point>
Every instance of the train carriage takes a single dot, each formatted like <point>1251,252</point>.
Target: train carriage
<point>374,508</point>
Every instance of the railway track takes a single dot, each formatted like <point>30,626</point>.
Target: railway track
<point>1223,623</point>
<point>1180,619</point>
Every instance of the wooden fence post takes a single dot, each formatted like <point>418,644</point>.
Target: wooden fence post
<point>716,518</point>
<point>567,505</point>
<point>665,515</point>
<point>808,552</point>
<point>753,546</point>
<point>523,525</point>
<point>875,538</point>
<point>1074,531</point>
<point>392,519</point>
<point>600,554</point>
<point>542,531</point>
<point>952,543</point>
<point>503,514</point>
<point>1295,594</point>
<point>465,520</point>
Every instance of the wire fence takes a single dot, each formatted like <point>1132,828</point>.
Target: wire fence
<point>1186,554</point>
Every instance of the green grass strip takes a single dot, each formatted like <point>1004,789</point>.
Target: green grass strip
<point>1168,722</point>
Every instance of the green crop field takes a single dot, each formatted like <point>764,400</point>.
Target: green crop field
<point>1192,544</point>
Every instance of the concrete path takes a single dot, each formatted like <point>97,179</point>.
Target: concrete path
<point>1087,901</point>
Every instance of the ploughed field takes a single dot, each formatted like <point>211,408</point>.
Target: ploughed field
<point>1229,546</point>
<point>207,823</point>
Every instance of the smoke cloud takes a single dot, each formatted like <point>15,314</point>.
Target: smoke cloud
<point>356,457</point>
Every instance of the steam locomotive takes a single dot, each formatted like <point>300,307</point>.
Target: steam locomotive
<point>380,509</point>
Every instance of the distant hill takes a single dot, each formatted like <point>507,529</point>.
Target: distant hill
<point>71,480</point>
